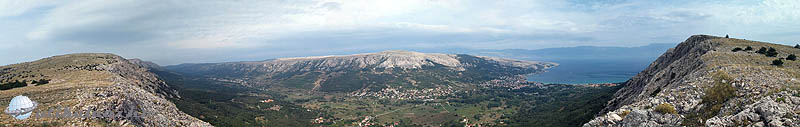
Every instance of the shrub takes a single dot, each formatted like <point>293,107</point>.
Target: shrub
<point>780,99</point>
<point>771,52</point>
<point>716,96</point>
<point>493,104</point>
<point>737,49</point>
<point>762,50</point>
<point>748,48</point>
<point>666,108</point>
<point>777,62</point>
<point>791,57</point>
<point>42,82</point>
<point>624,113</point>
<point>12,85</point>
<point>797,46</point>
<point>721,90</point>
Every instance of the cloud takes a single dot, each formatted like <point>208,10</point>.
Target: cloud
<point>266,29</point>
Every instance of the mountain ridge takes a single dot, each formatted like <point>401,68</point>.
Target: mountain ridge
<point>403,59</point>
<point>388,65</point>
<point>705,81</point>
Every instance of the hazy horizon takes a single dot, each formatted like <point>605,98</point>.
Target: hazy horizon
<point>546,57</point>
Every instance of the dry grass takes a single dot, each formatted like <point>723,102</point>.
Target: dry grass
<point>68,80</point>
<point>665,108</point>
<point>624,113</point>
<point>723,54</point>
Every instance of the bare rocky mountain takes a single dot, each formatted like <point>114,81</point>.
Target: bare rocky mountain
<point>363,71</point>
<point>387,59</point>
<point>93,82</point>
<point>711,81</point>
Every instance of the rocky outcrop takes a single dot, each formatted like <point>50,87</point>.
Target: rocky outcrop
<point>705,83</point>
<point>94,82</point>
<point>146,64</point>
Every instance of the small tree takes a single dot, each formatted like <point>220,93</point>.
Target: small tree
<point>791,57</point>
<point>42,82</point>
<point>771,52</point>
<point>726,36</point>
<point>748,48</point>
<point>737,49</point>
<point>762,50</point>
<point>797,46</point>
<point>777,62</point>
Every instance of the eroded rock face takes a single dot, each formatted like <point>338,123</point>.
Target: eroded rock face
<point>669,68</point>
<point>142,91</point>
<point>710,85</point>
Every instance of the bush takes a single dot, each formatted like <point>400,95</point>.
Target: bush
<point>15,84</point>
<point>665,109</point>
<point>493,104</point>
<point>737,49</point>
<point>624,113</point>
<point>780,99</point>
<point>797,46</point>
<point>41,82</point>
<point>721,90</point>
<point>762,50</point>
<point>777,62</point>
<point>771,52</point>
<point>716,96</point>
<point>748,48</point>
<point>791,57</point>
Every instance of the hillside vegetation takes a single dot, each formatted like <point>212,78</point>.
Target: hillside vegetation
<point>391,88</point>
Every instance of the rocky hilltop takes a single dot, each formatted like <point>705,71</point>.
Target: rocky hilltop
<point>93,82</point>
<point>386,59</point>
<point>363,71</point>
<point>711,81</point>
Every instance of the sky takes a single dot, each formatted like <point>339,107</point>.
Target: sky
<point>171,32</point>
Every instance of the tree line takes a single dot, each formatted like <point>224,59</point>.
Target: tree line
<point>23,83</point>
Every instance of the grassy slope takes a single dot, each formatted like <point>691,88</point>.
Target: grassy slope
<point>68,76</point>
<point>745,68</point>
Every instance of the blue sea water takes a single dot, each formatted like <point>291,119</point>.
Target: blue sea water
<point>591,71</point>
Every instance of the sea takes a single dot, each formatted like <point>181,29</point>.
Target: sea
<point>590,71</point>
